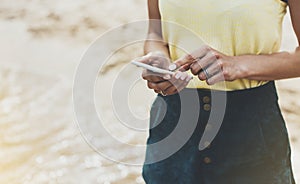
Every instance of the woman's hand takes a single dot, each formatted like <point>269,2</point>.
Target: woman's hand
<point>164,84</point>
<point>210,65</point>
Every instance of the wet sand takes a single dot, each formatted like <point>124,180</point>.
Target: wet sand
<point>42,43</point>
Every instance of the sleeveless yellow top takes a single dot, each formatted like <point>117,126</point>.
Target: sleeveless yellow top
<point>233,27</point>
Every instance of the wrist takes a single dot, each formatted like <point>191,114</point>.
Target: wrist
<point>154,52</point>
<point>158,53</point>
<point>242,68</point>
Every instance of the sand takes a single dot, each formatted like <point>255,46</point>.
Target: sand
<point>41,45</point>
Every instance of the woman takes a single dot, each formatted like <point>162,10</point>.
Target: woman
<point>242,40</point>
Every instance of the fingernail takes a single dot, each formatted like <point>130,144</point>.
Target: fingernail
<point>167,77</point>
<point>182,77</point>
<point>189,78</point>
<point>208,82</point>
<point>177,76</point>
<point>172,67</point>
<point>202,76</point>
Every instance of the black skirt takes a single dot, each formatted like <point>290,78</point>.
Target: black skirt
<point>202,136</point>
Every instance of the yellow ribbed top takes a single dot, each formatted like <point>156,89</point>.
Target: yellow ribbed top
<point>233,27</point>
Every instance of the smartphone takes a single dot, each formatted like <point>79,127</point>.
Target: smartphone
<point>152,68</point>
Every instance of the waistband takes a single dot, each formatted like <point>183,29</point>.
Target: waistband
<point>261,94</point>
<point>265,92</point>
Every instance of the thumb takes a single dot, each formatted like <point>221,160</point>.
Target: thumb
<point>185,61</point>
<point>185,67</point>
<point>142,59</point>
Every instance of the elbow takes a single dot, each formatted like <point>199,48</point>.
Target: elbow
<point>154,36</point>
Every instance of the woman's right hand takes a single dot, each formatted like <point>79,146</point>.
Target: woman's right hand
<point>164,84</point>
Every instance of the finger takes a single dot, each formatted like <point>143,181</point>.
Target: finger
<point>159,59</point>
<point>149,58</point>
<point>169,90</point>
<point>185,67</point>
<point>152,76</point>
<point>202,63</point>
<point>216,78</point>
<point>186,60</point>
<point>182,86</point>
<point>159,86</point>
<point>175,83</point>
<point>195,68</point>
<point>186,77</point>
<point>164,76</point>
<point>163,62</point>
<point>207,60</point>
<point>156,91</point>
<point>183,76</point>
<point>160,63</point>
<point>144,59</point>
<point>147,73</point>
<point>214,69</point>
<point>210,71</point>
<point>153,85</point>
<point>177,79</point>
<point>167,77</point>
<point>177,76</point>
<point>202,76</point>
<point>190,58</point>
<point>155,77</point>
<point>176,87</point>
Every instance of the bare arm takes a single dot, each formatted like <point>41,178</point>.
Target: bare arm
<point>215,66</point>
<point>279,65</point>
<point>154,40</point>
<point>157,54</point>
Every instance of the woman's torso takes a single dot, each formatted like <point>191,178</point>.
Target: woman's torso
<point>234,27</point>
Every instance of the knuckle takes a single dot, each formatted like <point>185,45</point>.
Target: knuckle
<point>209,82</point>
<point>213,52</point>
<point>159,87</point>
<point>220,63</point>
<point>202,77</point>
<point>189,57</point>
<point>216,55</point>
<point>226,74</point>
<point>207,48</point>
<point>192,67</point>
<point>176,90</point>
<point>203,65</point>
<point>194,72</point>
<point>172,89</point>
<point>150,85</point>
<point>230,77</point>
<point>195,67</point>
<point>213,56</point>
<point>167,91</point>
<point>144,77</point>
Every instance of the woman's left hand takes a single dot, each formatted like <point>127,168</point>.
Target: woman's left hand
<point>210,65</point>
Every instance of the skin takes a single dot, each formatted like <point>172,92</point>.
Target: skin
<point>164,84</point>
<point>157,54</point>
<point>218,66</point>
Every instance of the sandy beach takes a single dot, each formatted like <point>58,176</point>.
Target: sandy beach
<point>42,44</point>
